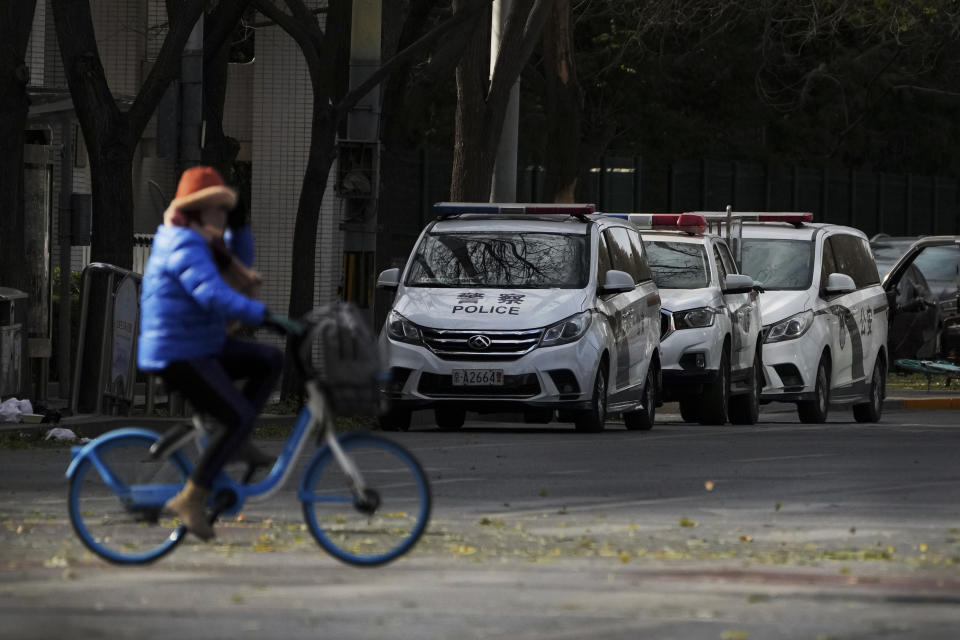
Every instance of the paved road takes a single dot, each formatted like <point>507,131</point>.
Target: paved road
<point>781,530</point>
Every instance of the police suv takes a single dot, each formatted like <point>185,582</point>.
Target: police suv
<point>527,308</point>
<point>710,348</point>
<point>824,312</point>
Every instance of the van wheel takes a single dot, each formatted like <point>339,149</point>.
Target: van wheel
<point>815,411</point>
<point>593,419</point>
<point>395,420</point>
<point>745,409</point>
<point>449,418</point>
<point>642,420</point>
<point>689,410</point>
<point>716,395</point>
<point>870,411</point>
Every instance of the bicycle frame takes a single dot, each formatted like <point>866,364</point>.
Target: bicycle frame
<point>150,496</point>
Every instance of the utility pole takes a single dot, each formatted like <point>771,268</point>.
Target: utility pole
<point>504,187</point>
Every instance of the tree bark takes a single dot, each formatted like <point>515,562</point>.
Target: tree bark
<point>472,151</point>
<point>219,150</point>
<point>16,20</point>
<point>563,107</point>
<point>111,135</point>
<point>482,106</point>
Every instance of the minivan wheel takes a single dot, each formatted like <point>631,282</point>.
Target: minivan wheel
<point>449,418</point>
<point>745,408</point>
<point>395,420</point>
<point>716,395</point>
<point>690,410</point>
<point>594,418</point>
<point>815,411</point>
<point>871,411</point>
<point>642,420</point>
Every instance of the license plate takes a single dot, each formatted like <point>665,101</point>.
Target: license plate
<point>478,377</point>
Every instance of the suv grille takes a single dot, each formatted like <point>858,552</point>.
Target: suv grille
<point>455,344</point>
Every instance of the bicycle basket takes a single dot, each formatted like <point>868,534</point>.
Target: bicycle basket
<point>340,353</point>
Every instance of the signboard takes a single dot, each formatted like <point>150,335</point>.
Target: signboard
<point>124,325</point>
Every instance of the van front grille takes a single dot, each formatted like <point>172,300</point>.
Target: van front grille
<point>458,344</point>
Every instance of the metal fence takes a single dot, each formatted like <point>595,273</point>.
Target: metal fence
<point>874,202</point>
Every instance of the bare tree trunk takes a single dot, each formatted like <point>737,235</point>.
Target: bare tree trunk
<point>303,267</point>
<point>112,136</point>
<point>473,151</point>
<point>16,19</point>
<point>219,150</point>
<point>563,106</point>
<point>482,106</point>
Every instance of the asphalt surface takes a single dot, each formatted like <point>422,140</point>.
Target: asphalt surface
<point>780,530</point>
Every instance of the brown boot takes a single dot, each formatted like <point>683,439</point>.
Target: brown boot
<point>190,505</point>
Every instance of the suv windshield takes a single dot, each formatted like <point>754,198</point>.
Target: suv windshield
<point>778,264</point>
<point>678,265</point>
<point>501,260</point>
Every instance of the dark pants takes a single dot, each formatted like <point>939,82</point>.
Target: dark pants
<point>208,383</point>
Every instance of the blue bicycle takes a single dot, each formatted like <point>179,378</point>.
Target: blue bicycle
<point>365,499</point>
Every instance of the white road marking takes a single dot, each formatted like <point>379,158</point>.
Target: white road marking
<point>799,457</point>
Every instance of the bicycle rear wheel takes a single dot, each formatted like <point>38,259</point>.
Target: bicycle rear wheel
<point>116,495</point>
<point>391,517</point>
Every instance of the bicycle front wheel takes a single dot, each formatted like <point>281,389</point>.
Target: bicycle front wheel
<point>379,526</point>
<point>116,496</point>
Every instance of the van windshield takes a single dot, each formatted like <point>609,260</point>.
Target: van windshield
<point>501,260</point>
<point>778,264</point>
<point>678,265</point>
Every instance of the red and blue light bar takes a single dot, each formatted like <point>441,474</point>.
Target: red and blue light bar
<point>446,210</point>
<point>687,222</point>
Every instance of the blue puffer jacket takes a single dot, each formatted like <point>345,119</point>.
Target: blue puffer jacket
<point>184,303</point>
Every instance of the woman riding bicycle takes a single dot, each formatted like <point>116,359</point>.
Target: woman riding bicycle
<point>185,307</point>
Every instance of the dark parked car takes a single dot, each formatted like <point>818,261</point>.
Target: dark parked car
<point>938,263</point>
<point>926,271</point>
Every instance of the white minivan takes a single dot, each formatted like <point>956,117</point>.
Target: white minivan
<point>824,314</point>
<point>545,310</point>
<point>710,349</point>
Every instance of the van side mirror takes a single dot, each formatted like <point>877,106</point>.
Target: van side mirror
<point>737,283</point>
<point>616,281</point>
<point>389,279</point>
<point>839,283</point>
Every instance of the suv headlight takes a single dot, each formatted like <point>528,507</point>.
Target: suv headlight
<point>693,318</point>
<point>569,330</point>
<point>791,328</point>
<point>402,330</point>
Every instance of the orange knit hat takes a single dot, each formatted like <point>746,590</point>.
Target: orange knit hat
<point>203,187</point>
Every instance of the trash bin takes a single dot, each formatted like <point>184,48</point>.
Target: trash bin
<point>13,342</point>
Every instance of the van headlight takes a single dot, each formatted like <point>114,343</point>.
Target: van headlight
<point>791,328</point>
<point>568,330</point>
<point>402,330</point>
<point>693,318</point>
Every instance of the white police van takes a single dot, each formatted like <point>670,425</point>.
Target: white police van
<point>540,309</point>
<point>710,347</point>
<point>824,312</point>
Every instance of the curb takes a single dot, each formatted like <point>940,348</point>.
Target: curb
<point>922,403</point>
<point>91,426</point>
